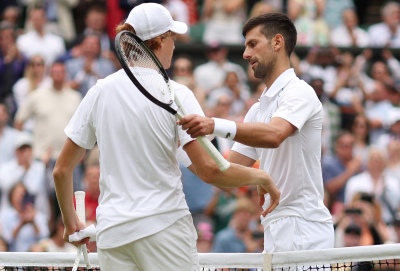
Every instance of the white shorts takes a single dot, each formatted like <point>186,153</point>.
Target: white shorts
<point>172,249</point>
<point>294,233</point>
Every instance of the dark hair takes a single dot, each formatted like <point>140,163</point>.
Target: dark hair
<point>272,24</point>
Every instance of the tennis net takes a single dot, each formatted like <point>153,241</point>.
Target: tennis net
<point>366,258</point>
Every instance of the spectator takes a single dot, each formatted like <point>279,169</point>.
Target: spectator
<point>339,167</point>
<point>52,108</point>
<point>334,11</point>
<point>320,63</point>
<point>393,166</point>
<point>59,17</point>
<point>182,72</point>
<point>387,32</point>
<point>38,41</point>
<point>220,107</point>
<point>179,12</point>
<point>308,17</point>
<point>360,130</point>
<point>12,16</point>
<point>261,7</point>
<point>393,132</point>
<point>85,69</point>
<point>205,237</point>
<point>26,170</point>
<point>198,194</point>
<point>377,109</point>
<point>331,119</point>
<point>211,75</point>
<point>374,181</point>
<point>237,236</point>
<point>7,136</point>
<point>95,23</point>
<point>238,95</point>
<point>35,76</point>
<point>12,64</point>
<point>347,90</point>
<point>349,33</point>
<point>22,224</point>
<point>221,207</point>
<point>91,187</point>
<point>223,21</point>
<point>55,242</point>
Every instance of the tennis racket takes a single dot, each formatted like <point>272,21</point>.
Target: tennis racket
<point>149,76</point>
<point>80,211</point>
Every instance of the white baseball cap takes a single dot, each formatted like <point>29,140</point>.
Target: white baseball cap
<point>151,20</point>
<point>23,139</point>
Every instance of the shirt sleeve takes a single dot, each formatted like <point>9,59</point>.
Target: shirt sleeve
<point>244,149</point>
<point>80,128</point>
<point>298,104</point>
<point>191,106</point>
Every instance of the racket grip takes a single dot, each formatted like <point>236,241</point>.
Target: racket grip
<point>215,154</point>
<point>80,205</point>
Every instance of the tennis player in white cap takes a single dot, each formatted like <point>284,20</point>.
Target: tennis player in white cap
<point>143,221</point>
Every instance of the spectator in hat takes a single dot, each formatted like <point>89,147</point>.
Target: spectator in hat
<point>27,170</point>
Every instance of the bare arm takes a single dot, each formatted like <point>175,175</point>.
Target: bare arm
<point>235,176</point>
<point>69,158</point>
<point>262,135</point>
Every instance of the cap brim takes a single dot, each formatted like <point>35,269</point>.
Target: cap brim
<point>179,27</point>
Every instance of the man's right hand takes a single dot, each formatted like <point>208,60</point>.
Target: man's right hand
<point>196,125</point>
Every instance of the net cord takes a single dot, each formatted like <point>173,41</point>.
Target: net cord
<point>228,260</point>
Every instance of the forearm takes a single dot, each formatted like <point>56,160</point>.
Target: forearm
<point>237,175</point>
<point>64,191</point>
<point>258,135</point>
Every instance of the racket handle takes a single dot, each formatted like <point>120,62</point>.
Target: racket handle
<point>215,154</point>
<point>80,205</point>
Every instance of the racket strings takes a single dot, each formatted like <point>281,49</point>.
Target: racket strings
<point>145,69</point>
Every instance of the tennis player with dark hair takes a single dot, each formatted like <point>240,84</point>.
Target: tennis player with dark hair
<point>143,221</point>
<point>283,129</point>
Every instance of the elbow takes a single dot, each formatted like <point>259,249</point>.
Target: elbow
<point>276,140</point>
<point>59,174</point>
<point>211,175</point>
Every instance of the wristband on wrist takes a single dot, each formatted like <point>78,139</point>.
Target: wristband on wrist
<point>224,128</point>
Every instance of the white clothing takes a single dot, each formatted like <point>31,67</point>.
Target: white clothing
<point>381,36</point>
<point>224,27</point>
<point>295,165</point>
<point>27,235</point>
<point>170,252</point>
<point>378,111</point>
<point>52,110</point>
<point>340,37</point>
<point>21,91</point>
<point>296,233</point>
<point>363,183</point>
<point>211,75</point>
<point>140,180</point>
<point>33,179</point>
<point>21,88</point>
<point>7,144</point>
<point>49,46</point>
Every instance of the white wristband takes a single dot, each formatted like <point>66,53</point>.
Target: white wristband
<point>224,128</point>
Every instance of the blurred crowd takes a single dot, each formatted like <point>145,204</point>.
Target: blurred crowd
<point>52,52</point>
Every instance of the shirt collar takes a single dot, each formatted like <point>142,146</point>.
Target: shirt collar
<point>279,83</point>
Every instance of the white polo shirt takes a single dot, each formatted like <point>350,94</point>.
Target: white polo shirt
<point>295,166</point>
<point>140,181</point>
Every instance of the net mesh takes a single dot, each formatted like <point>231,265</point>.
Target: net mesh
<point>368,258</point>
<point>144,68</point>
